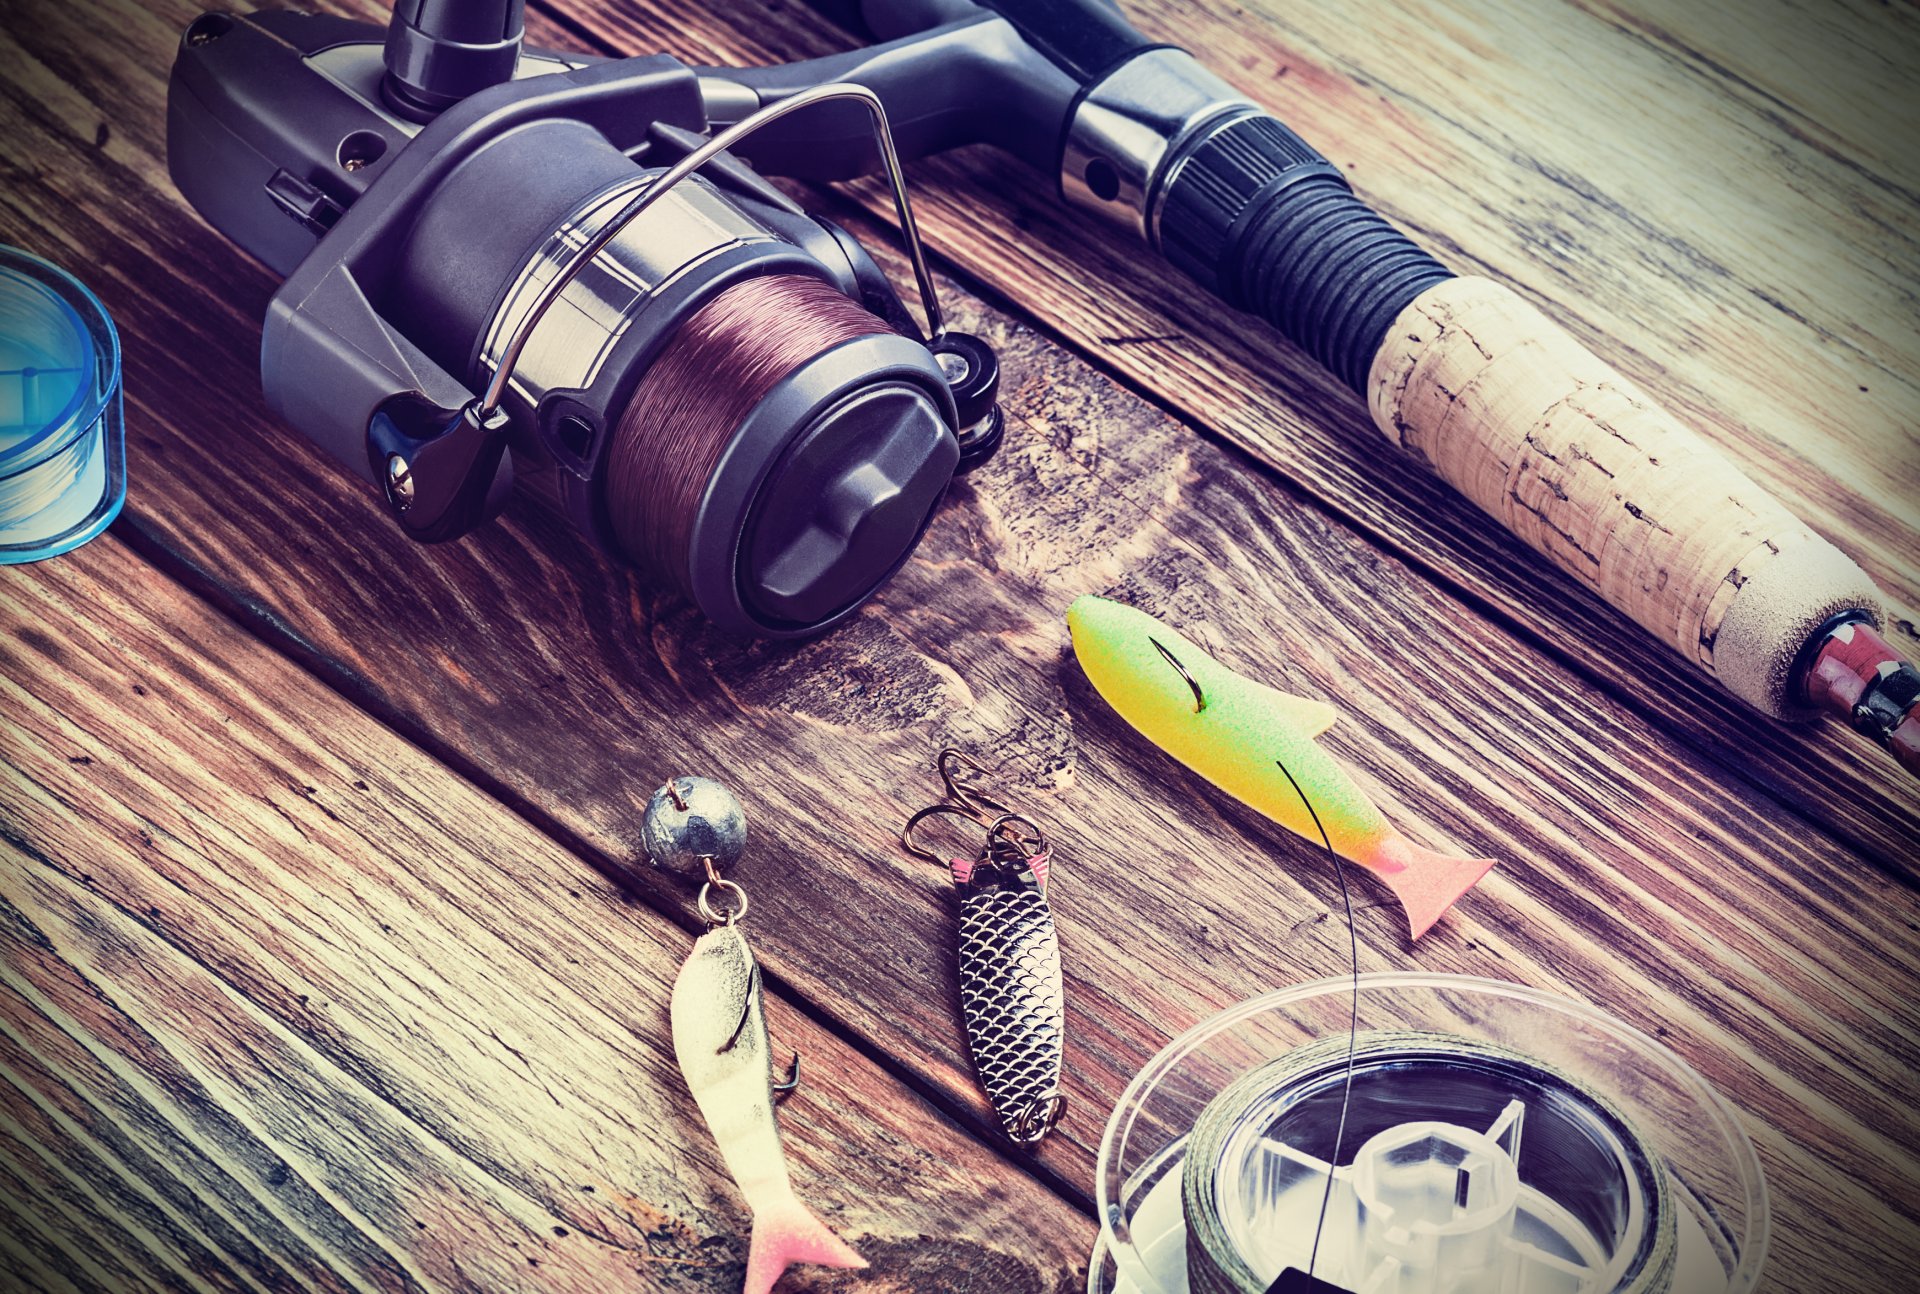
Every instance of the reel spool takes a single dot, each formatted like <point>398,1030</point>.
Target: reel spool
<point>1495,1139</point>
<point>712,406</point>
<point>563,283</point>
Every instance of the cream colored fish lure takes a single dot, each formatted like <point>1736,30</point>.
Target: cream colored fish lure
<point>720,1040</point>
<point>694,826</point>
<point>1257,745</point>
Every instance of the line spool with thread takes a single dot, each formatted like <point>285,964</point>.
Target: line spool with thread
<point>62,438</point>
<point>683,415</point>
<point>781,455</point>
<point>1242,1111</point>
<point>1594,1197</point>
<point>715,402</point>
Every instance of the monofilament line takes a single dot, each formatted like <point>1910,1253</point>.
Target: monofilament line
<point>1353,1018</point>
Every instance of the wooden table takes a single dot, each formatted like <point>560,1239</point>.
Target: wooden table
<point>326,961</point>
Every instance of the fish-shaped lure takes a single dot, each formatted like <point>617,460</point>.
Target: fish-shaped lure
<point>1012,1000</point>
<point>720,1040</point>
<point>1257,745</point>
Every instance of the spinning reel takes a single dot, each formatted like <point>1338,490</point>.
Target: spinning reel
<point>510,264</point>
<point>504,265</point>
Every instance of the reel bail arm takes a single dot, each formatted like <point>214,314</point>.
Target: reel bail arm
<point>338,367</point>
<point>687,165</point>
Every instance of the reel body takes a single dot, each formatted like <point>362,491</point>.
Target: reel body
<point>813,428</point>
<point>420,190</point>
<point>420,187</point>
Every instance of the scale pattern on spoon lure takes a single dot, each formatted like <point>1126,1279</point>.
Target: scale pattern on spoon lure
<point>1258,745</point>
<point>1012,996</point>
<point>720,1041</point>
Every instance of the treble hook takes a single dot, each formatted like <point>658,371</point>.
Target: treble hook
<point>1003,826</point>
<point>967,796</point>
<point>934,810</point>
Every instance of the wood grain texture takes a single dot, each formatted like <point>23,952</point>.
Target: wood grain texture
<point>1747,263</point>
<point>1768,934</point>
<point>287,1004</point>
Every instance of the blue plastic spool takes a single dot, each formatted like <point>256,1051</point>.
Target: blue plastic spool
<point>63,458</point>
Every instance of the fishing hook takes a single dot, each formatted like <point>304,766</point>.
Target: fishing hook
<point>746,1012</point>
<point>1199,697</point>
<point>934,810</point>
<point>785,1089</point>
<point>967,796</point>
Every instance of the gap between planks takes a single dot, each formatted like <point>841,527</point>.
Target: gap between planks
<point>261,626</point>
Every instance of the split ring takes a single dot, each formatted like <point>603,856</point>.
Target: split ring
<point>715,916</point>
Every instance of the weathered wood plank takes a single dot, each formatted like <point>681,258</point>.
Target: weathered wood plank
<point>1602,895</point>
<point>1742,264</point>
<point>1778,961</point>
<point>285,1003</point>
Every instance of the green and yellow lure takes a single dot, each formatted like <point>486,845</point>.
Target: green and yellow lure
<point>1257,745</point>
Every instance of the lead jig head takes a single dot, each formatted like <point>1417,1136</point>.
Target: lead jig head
<point>693,823</point>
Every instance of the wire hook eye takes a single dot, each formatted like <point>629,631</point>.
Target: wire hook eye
<point>1031,844</point>
<point>1199,697</point>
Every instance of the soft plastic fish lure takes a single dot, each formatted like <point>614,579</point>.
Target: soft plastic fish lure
<point>695,826</point>
<point>720,1040</point>
<point>1257,745</point>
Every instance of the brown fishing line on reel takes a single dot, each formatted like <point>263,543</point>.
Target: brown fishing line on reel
<point>723,361</point>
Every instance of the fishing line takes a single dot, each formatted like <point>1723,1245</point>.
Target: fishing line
<point>34,488</point>
<point>1353,1017</point>
<point>683,415</point>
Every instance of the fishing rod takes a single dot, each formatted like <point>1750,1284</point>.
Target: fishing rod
<point>1546,437</point>
<point>725,390</point>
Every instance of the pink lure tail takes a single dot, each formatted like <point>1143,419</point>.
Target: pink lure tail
<point>787,1233</point>
<point>1425,882</point>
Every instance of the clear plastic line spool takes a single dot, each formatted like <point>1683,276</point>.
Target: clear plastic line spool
<point>1499,1140</point>
<point>62,439</point>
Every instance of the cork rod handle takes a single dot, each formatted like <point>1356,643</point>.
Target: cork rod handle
<point>1573,458</point>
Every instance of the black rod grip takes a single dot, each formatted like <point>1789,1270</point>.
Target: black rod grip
<point>1259,218</point>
